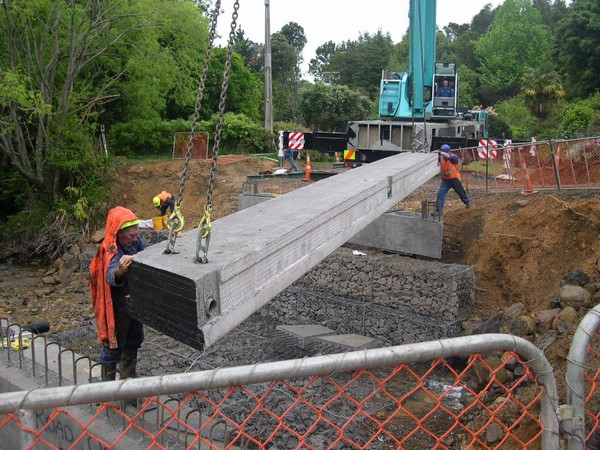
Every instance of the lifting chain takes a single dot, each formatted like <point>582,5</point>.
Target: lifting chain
<point>176,221</point>
<point>205,225</point>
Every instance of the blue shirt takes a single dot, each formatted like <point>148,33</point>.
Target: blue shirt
<point>120,289</point>
<point>445,92</point>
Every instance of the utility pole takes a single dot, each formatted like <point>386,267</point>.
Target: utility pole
<point>268,77</point>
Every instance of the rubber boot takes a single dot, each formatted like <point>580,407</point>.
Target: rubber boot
<point>108,373</point>
<point>128,364</point>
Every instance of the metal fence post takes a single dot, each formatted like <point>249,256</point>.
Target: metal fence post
<point>575,375</point>
<point>556,171</point>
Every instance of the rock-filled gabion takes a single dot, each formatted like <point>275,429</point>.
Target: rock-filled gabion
<point>389,297</point>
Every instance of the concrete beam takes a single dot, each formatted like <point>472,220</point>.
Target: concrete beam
<point>256,253</point>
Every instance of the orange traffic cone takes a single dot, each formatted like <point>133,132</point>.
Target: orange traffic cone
<point>337,158</point>
<point>528,187</point>
<point>308,168</point>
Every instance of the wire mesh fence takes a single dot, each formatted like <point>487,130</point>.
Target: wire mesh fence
<point>526,166</point>
<point>396,397</point>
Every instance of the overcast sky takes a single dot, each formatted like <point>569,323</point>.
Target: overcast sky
<point>338,20</point>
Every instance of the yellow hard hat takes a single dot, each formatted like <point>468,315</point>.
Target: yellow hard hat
<point>156,201</point>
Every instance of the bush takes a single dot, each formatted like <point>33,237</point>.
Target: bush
<point>576,120</point>
<point>145,137</point>
<point>517,116</point>
<point>240,135</point>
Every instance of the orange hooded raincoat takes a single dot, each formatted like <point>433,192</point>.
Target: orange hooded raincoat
<point>100,290</point>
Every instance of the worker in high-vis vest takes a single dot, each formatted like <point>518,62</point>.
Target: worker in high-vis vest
<point>449,171</point>
<point>164,201</point>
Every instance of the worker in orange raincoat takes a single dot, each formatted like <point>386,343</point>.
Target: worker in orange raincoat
<point>120,335</point>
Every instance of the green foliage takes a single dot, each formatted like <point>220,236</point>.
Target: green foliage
<point>516,39</point>
<point>26,223</point>
<point>330,108</point>
<point>358,64</point>
<point>289,126</point>
<point>515,114</point>
<point>250,51</point>
<point>576,119</point>
<point>578,41</point>
<point>240,135</point>
<point>243,95</point>
<point>144,137</point>
<point>467,94</point>
<point>14,191</point>
<point>594,126</point>
<point>542,88</point>
<point>323,53</point>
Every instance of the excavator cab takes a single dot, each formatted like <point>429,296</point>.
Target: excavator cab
<point>446,90</point>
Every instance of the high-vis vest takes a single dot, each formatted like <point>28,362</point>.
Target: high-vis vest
<point>164,195</point>
<point>449,170</point>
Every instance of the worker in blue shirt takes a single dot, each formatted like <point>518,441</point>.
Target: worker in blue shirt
<point>445,90</point>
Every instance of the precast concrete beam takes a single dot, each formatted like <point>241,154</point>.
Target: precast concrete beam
<point>256,253</point>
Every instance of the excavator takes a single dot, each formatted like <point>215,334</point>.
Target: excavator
<point>415,110</point>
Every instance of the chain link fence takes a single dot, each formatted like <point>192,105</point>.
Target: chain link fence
<point>439,394</point>
<point>527,166</point>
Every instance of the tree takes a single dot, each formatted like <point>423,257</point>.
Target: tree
<point>542,88</point>
<point>286,78</point>
<point>578,47</point>
<point>294,35</point>
<point>52,54</point>
<point>323,53</point>
<point>330,108</point>
<point>516,39</point>
<point>286,47</point>
<point>358,64</point>
<point>250,51</point>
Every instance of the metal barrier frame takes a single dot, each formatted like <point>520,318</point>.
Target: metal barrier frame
<point>24,403</point>
<point>575,377</point>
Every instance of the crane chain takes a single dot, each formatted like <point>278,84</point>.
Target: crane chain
<point>205,226</point>
<point>176,216</point>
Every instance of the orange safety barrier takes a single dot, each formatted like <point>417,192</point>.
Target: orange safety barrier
<point>480,402</point>
<point>308,168</point>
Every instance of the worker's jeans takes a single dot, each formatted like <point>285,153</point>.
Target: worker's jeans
<point>446,185</point>
<point>287,156</point>
<point>130,335</point>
